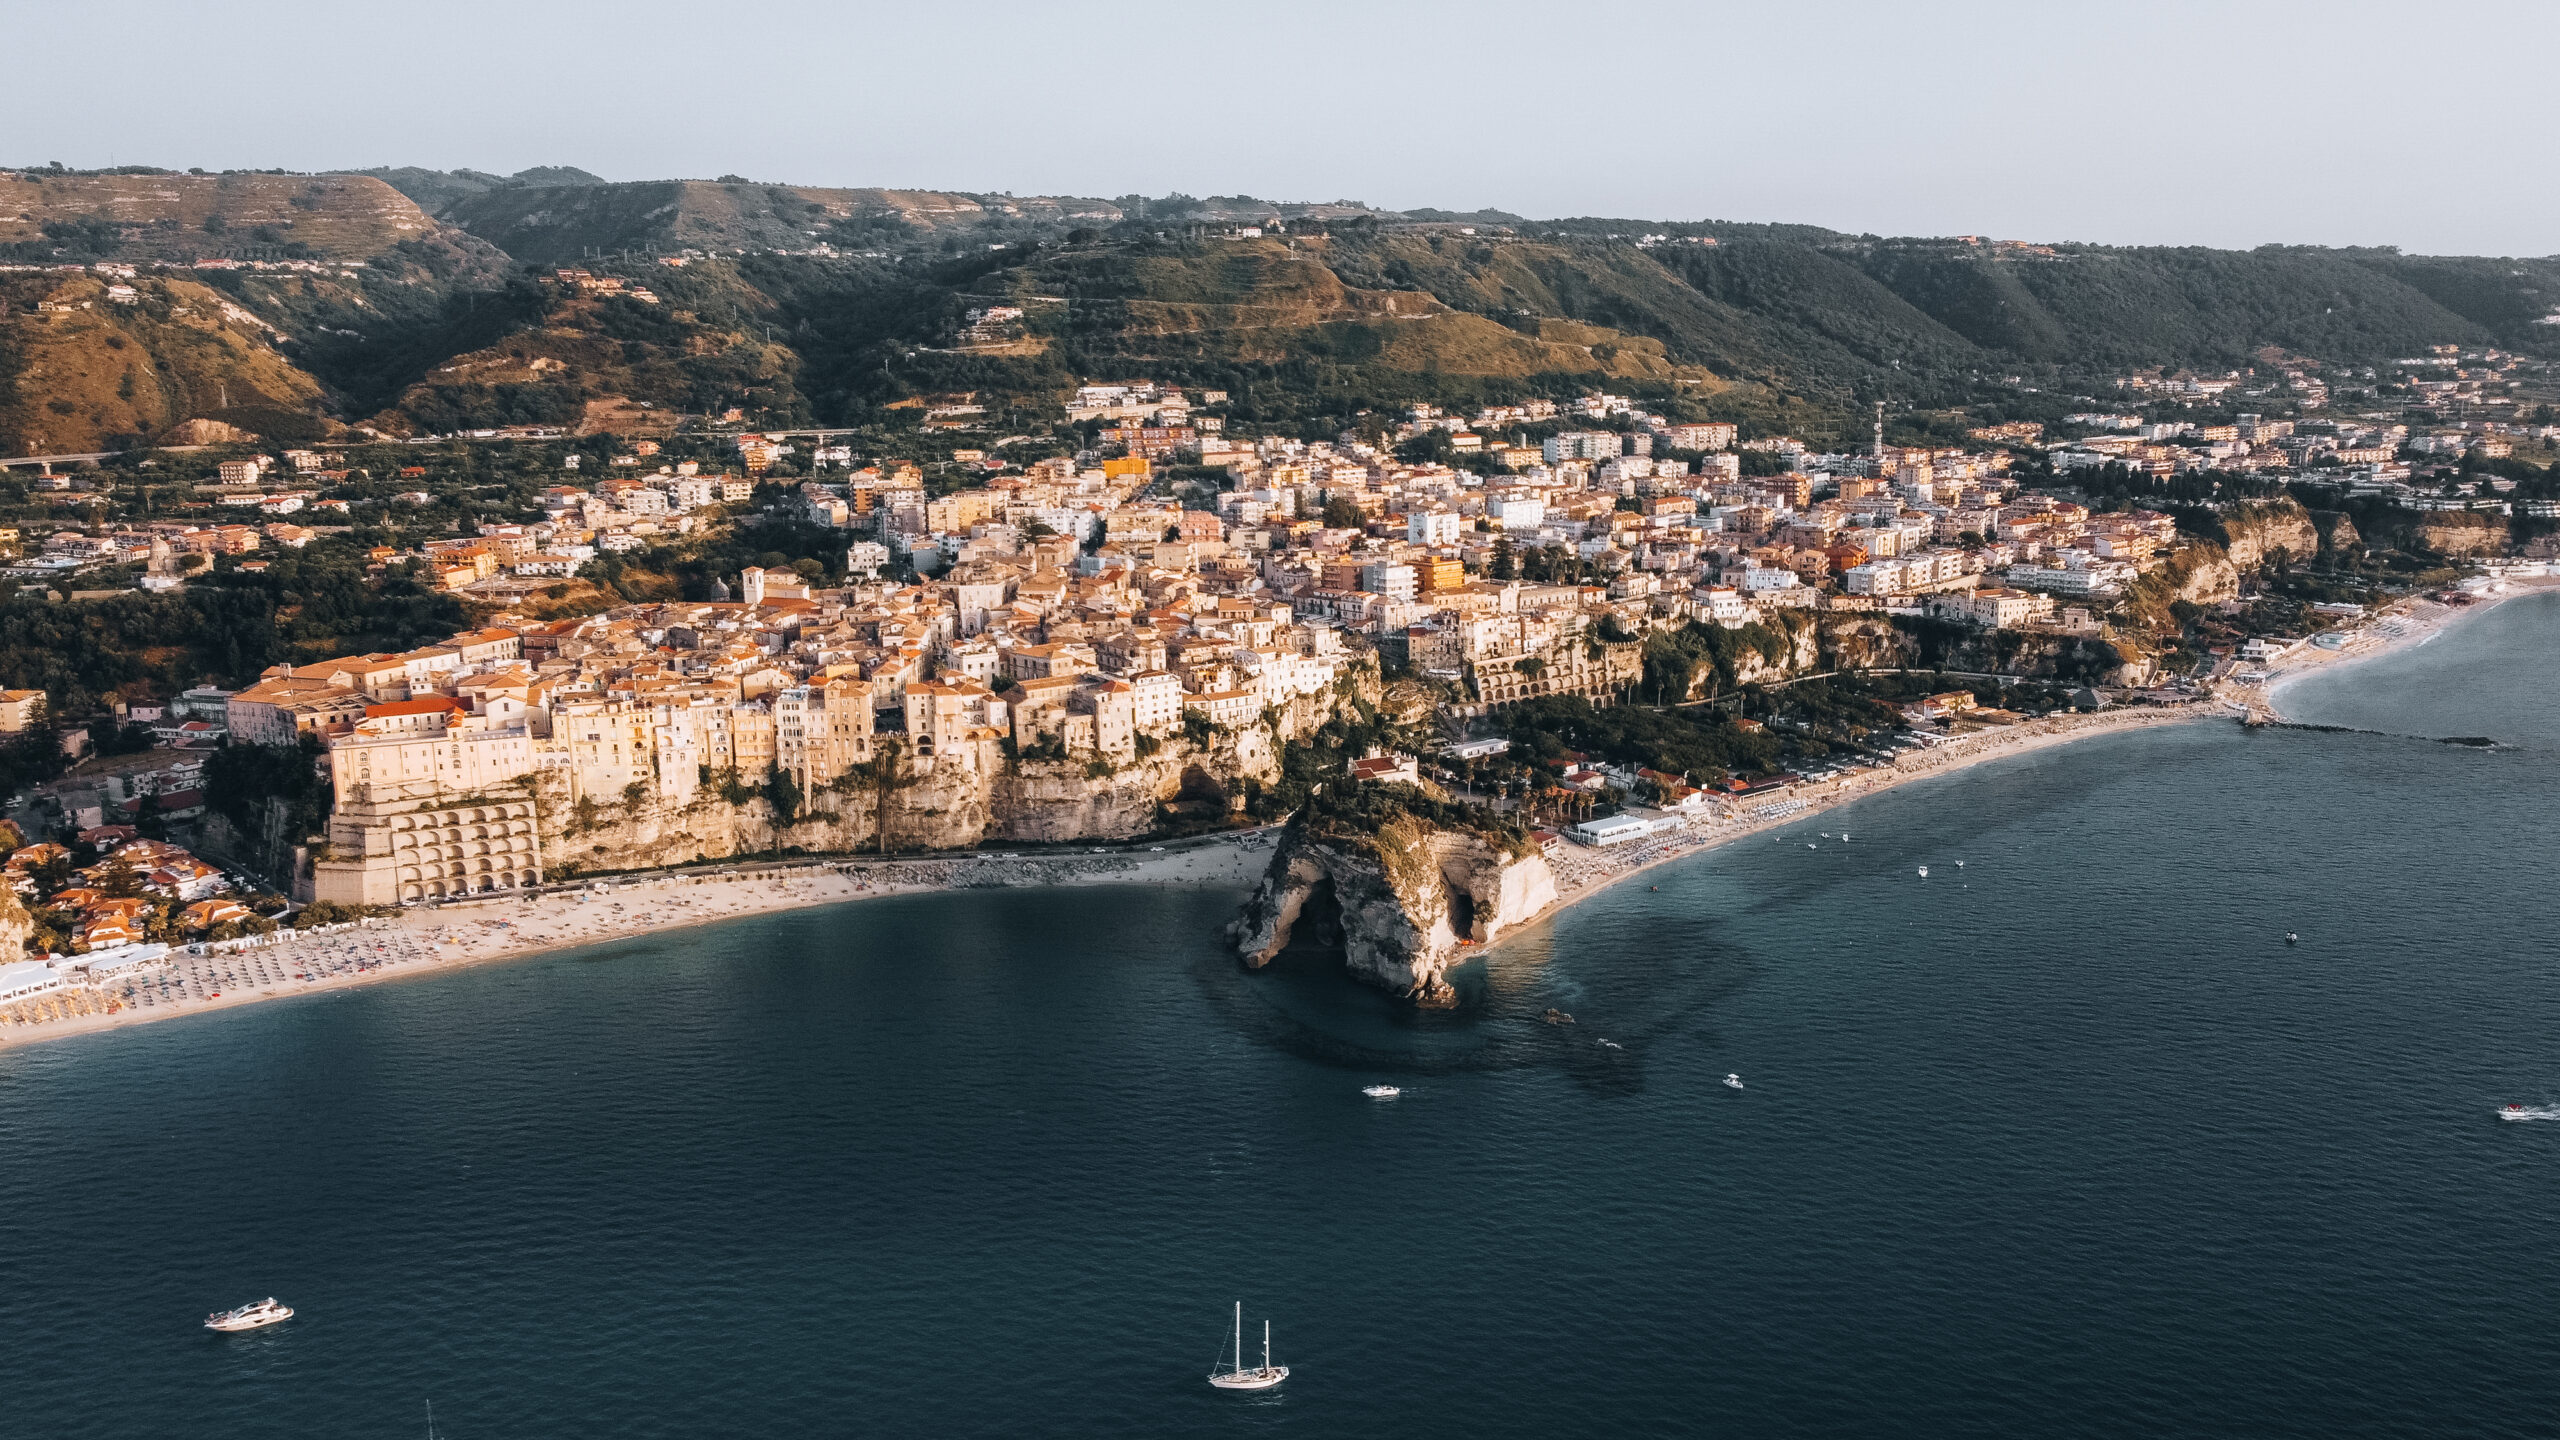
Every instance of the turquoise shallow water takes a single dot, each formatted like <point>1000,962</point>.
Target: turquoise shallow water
<point>2064,1142</point>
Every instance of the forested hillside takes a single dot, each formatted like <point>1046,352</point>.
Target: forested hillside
<point>417,300</point>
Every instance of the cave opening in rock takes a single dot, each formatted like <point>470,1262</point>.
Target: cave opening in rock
<point>1318,927</point>
<point>1462,910</point>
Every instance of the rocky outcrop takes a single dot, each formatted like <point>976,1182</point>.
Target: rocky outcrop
<point>2460,532</point>
<point>2258,532</point>
<point>2198,574</point>
<point>1401,901</point>
<point>951,802</point>
<point>16,926</point>
<point>2337,532</point>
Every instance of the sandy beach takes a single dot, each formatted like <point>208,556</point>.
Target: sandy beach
<point>2403,624</point>
<point>1582,873</point>
<point>431,941</point>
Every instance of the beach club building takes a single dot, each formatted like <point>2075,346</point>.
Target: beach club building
<point>1621,829</point>
<point>24,978</point>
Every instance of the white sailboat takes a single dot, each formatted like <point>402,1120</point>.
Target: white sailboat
<point>1239,1378</point>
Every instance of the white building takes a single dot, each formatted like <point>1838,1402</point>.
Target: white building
<point>1431,527</point>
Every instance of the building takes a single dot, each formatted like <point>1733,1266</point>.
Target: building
<point>1431,527</point>
<point>20,710</point>
<point>387,853</point>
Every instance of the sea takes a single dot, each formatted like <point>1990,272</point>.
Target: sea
<point>2165,1105</point>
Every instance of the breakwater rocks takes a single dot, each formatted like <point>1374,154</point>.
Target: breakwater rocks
<point>1401,900</point>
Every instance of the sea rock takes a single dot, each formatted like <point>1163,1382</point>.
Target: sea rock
<point>1405,899</point>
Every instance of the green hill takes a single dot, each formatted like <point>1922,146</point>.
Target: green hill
<point>418,298</point>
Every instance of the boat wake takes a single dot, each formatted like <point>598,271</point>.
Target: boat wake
<point>2530,1112</point>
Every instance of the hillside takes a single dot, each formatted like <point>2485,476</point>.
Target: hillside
<point>434,190</point>
<point>829,303</point>
<point>559,356</point>
<point>80,373</point>
<point>553,225</point>
<point>52,216</point>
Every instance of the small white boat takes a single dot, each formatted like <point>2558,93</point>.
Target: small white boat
<point>1809,845</point>
<point>256,1316</point>
<point>1959,864</point>
<point>1924,872</point>
<point>1381,1092</point>
<point>1612,1044</point>
<point>1733,1080</point>
<point>1264,1376</point>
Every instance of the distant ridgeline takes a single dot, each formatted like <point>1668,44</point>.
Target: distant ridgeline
<point>414,299</point>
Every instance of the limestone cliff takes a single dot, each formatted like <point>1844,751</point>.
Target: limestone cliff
<point>16,926</point>
<point>2257,532</point>
<point>947,802</point>
<point>2337,531</point>
<point>2198,574</point>
<point>2460,532</point>
<point>1401,897</point>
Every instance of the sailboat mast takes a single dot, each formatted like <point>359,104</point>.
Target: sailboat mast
<point>1266,1344</point>
<point>1239,1337</point>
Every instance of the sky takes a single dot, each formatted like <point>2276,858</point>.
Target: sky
<point>2241,123</point>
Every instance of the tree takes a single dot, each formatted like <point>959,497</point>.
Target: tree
<point>1503,566</point>
<point>885,773</point>
<point>1341,514</point>
<point>120,880</point>
<point>783,793</point>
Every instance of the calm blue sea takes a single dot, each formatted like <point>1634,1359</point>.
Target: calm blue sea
<point>2064,1142</point>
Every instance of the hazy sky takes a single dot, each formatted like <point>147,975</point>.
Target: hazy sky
<point>2427,125</point>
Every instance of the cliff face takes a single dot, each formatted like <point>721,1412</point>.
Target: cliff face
<point>949,803</point>
<point>1403,900</point>
<point>2258,531</point>
<point>16,926</point>
<point>2461,532</point>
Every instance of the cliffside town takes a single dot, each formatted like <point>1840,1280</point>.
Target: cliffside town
<point>1092,646</point>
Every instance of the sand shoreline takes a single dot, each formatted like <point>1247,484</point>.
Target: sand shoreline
<point>2413,623</point>
<point>424,942</point>
<point>427,942</point>
<point>1582,873</point>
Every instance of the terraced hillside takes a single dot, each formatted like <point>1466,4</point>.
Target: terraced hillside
<point>563,224</point>
<point>55,216</point>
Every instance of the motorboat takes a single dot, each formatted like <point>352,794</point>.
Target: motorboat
<point>1924,872</point>
<point>2291,938</point>
<point>1263,1376</point>
<point>1734,1081</point>
<point>1381,1092</point>
<point>254,1316</point>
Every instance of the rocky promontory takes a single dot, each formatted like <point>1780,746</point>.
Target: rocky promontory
<point>1402,883</point>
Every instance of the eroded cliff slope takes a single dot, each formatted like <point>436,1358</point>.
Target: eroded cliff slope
<point>1400,882</point>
